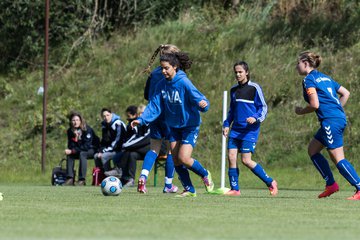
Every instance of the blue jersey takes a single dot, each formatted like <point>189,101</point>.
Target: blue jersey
<point>246,100</point>
<point>155,77</point>
<point>179,100</point>
<point>326,88</point>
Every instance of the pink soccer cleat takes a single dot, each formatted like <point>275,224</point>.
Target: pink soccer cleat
<point>329,190</point>
<point>233,193</point>
<point>173,189</point>
<point>356,196</point>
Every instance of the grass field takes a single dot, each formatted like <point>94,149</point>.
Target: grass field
<point>46,212</point>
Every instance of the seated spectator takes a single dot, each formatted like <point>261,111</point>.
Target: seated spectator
<point>136,146</point>
<point>113,136</point>
<point>82,143</point>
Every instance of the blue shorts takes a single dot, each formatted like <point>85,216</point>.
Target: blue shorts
<point>331,132</point>
<point>242,145</point>
<point>159,130</point>
<point>185,135</point>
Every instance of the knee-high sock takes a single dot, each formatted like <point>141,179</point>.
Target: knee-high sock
<point>198,169</point>
<point>234,178</point>
<point>322,165</point>
<point>184,177</point>
<point>169,171</point>
<point>148,163</point>
<point>260,172</point>
<point>349,173</point>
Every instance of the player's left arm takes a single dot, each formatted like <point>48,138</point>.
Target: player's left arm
<point>261,107</point>
<point>344,95</point>
<point>196,97</point>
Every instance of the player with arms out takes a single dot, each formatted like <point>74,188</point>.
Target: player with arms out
<point>247,110</point>
<point>159,131</point>
<point>181,104</point>
<point>320,92</point>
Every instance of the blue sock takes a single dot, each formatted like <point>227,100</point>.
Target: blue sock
<point>348,172</point>
<point>322,165</point>
<point>169,170</point>
<point>148,163</point>
<point>198,169</point>
<point>260,172</point>
<point>184,177</point>
<point>234,178</point>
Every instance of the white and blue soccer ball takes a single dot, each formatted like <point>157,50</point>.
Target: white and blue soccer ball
<point>111,186</point>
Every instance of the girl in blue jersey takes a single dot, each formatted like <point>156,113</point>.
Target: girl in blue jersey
<point>247,110</point>
<point>159,130</point>
<point>320,92</point>
<point>181,104</point>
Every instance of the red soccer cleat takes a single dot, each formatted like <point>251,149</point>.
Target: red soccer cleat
<point>329,190</point>
<point>142,185</point>
<point>233,193</point>
<point>273,188</point>
<point>355,197</point>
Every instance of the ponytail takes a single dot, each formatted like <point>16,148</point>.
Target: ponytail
<point>162,49</point>
<point>152,59</point>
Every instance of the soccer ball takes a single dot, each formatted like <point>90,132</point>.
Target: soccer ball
<point>111,186</point>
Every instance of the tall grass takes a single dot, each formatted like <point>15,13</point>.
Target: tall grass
<point>110,74</point>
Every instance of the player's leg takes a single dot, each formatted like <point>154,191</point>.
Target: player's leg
<point>169,172</point>
<point>149,160</point>
<point>324,137</point>
<point>150,157</point>
<point>247,149</point>
<point>346,170</point>
<point>182,171</point>
<point>320,162</point>
<point>233,171</point>
<point>189,138</point>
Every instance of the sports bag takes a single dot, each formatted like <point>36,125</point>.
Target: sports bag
<point>98,176</point>
<point>58,176</point>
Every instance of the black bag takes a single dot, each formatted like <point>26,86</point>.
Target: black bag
<point>58,176</point>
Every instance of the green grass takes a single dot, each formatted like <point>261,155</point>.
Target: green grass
<point>45,212</point>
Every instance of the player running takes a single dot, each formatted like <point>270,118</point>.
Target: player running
<point>320,92</point>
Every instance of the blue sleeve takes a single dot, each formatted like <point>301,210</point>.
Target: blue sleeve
<point>308,82</point>
<point>336,85</point>
<point>230,116</point>
<point>152,110</point>
<point>260,104</point>
<point>196,96</point>
<point>118,136</point>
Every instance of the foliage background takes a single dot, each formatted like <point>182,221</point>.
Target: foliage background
<point>97,55</point>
